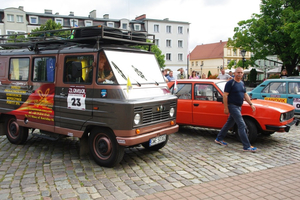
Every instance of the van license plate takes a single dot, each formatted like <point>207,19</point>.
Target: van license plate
<point>157,140</point>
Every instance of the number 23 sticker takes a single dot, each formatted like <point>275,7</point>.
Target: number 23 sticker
<point>76,101</point>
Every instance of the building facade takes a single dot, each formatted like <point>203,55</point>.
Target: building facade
<point>172,39</point>
<point>170,36</point>
<point>212,57</point>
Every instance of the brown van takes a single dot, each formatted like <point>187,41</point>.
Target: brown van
<point>92,85</point>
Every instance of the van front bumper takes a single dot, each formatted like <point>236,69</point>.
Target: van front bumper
<point>285,128</point>
<point>138,139</point>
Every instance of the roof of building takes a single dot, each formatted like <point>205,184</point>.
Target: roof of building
<point>208,51</point>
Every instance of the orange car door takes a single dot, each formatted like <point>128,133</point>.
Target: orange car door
<point>207,112</point>
<point>184,105</point>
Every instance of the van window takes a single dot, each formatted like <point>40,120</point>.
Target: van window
<point>44,69</point>
<point>78,69</point>
<point>19,69</point>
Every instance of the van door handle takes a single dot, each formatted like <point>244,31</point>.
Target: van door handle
<point>63,94</point>
<point>263,95</point>
<point>290,97</point>
<point>196,104</point>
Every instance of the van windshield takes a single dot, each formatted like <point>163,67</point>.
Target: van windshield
<point>140,68</point>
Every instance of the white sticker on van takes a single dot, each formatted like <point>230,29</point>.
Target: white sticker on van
<point>76,98</point>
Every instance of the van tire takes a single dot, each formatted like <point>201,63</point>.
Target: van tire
<point>15,134</point>
<point>251,131</point>
<point>104,147</point>
<point>155,147</point>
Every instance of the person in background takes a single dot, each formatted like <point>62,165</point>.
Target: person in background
<point>164,73</point>
<point>181,75</point>
<point>233,98</point>
<point>224,76</point>
<point>230,74</point>
<point>284,74</point>
<point>203,76</point>
<point>170,77</point>
<point>194,75</point>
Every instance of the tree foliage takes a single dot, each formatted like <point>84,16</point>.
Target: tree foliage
<point>275,31</point>
<point>50,26</point>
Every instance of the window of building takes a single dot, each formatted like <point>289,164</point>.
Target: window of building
<point>157,42</point>
<point>82,65</point>
<point>192,64</point>
<point>44,69</point>
<point>234,52</point>
<point>19,69</point>
<point>168,43</point>
<point>228,52</point>
<point>180,43</point>
<point>10,18</point>
<point>180,30</point>
<point>202,63</point>
<point>59,21</point>
<point>74,22</point>
<point>156,28</point>
<point>20,18</point>
<point>124,26</point>
<point>168,56</point>
<point>88,23</point>
<point>33,19</point>
<point>169,29</point>
<point>196,63</point>
<point>180,57</point>
<point>110,24</point>
<point>137,27</point>
<point>10,32</point>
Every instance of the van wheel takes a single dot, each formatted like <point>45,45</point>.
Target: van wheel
<point>15,134</point>
<point>104,147</point>
<point>155,147</point>
<point>251,131</point>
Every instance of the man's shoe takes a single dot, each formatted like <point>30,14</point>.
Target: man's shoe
<point>251,149</point>
<point>220,142</point>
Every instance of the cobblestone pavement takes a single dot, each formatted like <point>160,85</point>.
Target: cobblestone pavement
<point>43,169</point>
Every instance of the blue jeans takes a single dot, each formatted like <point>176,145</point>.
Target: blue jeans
<point>235,117</point>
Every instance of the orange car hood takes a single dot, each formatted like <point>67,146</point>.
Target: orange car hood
<point>282,107</point>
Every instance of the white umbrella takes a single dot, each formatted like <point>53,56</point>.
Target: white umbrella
<point>274,71</point>
<point>247,71</point>
<point>228,70</point>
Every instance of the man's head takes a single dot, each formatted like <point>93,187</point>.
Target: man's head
<point>171,73</point>
<point>239,73</point>
<point>222,71</point>
<point>181,70</point>
<point>230,73</point>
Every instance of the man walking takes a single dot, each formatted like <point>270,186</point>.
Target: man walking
<point>181,75</point>
<point>233,97</point>
<point>224,76</point>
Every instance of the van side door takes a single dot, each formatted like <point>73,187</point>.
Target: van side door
<point>74,92</point>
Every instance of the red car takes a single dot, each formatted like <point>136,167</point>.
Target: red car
<point>200,103</point>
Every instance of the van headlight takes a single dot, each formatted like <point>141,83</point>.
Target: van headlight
<point>172,112</point>
<point>137,119</point>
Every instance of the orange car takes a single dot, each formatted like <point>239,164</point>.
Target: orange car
<point>200,103</point>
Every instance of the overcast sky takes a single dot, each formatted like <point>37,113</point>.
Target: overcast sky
<point>210,20</point>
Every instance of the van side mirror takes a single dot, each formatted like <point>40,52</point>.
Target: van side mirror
<point>220,99</point>
<point>76,69</point>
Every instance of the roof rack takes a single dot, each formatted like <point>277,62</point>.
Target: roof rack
<point>92,35</point>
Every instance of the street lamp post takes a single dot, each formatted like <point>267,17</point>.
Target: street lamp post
<point>243,52</point>
<point>201,71</point>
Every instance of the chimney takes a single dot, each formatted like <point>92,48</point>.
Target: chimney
<point>93,14</point>
<point>166,19</point>
<point>71,13</point>
<point>143,16</point>
<point>220,41</point>
<point>57,13</point>
<point>21,8</point>
<point>106,16</point>
<point>47,11</point>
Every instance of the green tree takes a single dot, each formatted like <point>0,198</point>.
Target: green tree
<point>275,31</point>
<point>50,26</point>
<point>158,53</point>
